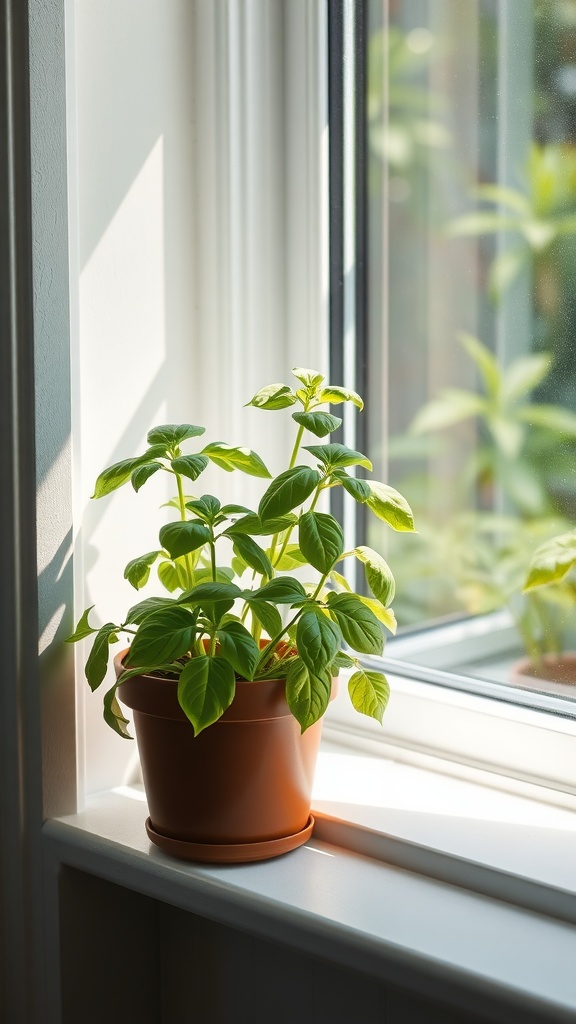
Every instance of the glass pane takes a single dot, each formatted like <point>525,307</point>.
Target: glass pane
<point>471,360</point>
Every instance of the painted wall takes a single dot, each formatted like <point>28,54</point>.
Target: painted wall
<point>194,277</point>
<point>53,413</point>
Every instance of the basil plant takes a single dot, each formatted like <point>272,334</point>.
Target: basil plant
<point>233,608</point>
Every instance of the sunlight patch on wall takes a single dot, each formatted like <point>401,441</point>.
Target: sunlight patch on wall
<point>122,311</point>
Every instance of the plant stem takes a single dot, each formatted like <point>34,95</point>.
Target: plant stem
<point>320,585</point>
<point>316,495</point>
<point>297,444</point>
<point>182,504</point>
<point>283,548</point>
<point>276,640</point>
<point>293,458</point>
<point>213,558</point>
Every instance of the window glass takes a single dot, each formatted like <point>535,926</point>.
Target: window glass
<point>471,234</point>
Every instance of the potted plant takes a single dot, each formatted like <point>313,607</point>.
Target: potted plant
<point>230,672</point>
<point>550,578</point>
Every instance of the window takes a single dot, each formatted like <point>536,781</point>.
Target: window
<point>462,190</point>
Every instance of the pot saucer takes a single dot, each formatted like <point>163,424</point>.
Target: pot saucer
<point>229,853</point>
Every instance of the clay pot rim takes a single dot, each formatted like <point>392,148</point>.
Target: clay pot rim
<point>254,700</point>
<point>118,662</point>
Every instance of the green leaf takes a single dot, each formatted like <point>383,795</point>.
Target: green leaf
<point>274,396</point>
<point>140,611</point>
<point>171,435</point>
<point>389,505</point>
<point>239,648</point>
<point>504,270</point>
<point>292,558</point>
<point>341,581</point>
<point>321,540</point>
<point>118,474</point>
<point>281,590</point>
<point>97,663</point>
<point>317,639</point>
<point>333,455</point>
<point>384,615</point>
<point>190,466</point>
<point>309,378</point>
<point>550,417</point>
<point>143,473</point>
<point>307,694</point>
<point>369,693</point>
<point>485,361</point>
<point>175,502</point>
<point>238,565</point>
<point>452,406</point>
<point>218,611</point>
<point>205,689</point>
<point>113,714</point>
<point>182,538</point>
<point>539,233</point>
<point>500,195</point>
<point>229,458</point>
<point>319,423</point>
<point>508,435</point>
<point>378,574</point>
<point>289,490</point>
<point>173,576</point>
<point>230,510</point>
<point>207,507</point>
<point>252,554</point>
<point>334,395</point>
<point>342,660</point>
<point>360,628</point>
<point>137,571</point>
<point>552,561</point>
<point>164,635</point>
<point>481,224</point>
<point>268,616</point>
<point>253,524</point>
<point>223,575</point>
<point>83,629</point>
<point>210,593</point>
<point>359,489</point>
<point>524,374</point>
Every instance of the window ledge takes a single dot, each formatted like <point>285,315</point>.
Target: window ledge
<point>466,906</point>
<point>497,844</point>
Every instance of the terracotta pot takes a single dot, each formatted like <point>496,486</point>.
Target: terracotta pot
<point>241,790</point>
<point>554,673</point>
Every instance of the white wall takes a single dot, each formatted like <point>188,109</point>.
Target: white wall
<point>198,261</point>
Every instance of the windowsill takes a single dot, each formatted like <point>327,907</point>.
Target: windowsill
<point>410,885</point>
<point>491,842</point>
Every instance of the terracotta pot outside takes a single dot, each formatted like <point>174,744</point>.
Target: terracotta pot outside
<point>245,780</point>
<point>555,674</point>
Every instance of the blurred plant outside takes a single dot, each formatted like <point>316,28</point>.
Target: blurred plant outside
<point>513,459</point>
<point>514,467</point>
<point>539,216</point>
<point>402,131</point>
